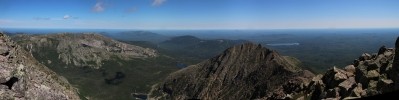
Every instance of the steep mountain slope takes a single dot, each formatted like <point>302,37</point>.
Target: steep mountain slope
<point>101,68</point>
<point>23,78</point>
<point>246,71</point>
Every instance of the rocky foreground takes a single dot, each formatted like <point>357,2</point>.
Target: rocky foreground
<point>250,71</point>
<point>367,76</point>
<point>23,78</point>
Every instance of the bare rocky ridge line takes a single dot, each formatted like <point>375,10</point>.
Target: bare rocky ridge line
<point>23,78</point>
<point>246,71</point>
<point>87,49</point>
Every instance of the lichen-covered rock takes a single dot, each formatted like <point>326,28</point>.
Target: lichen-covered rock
<point>23,78</point>
<point>347,84</point>
<point>372,74</point>
<point>350,69</point>
<point>358,91</point>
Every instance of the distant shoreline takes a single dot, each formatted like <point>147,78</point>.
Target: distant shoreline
<point>283,44</point>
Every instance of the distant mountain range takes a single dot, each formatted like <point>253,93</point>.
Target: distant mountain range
<point>196,47</point>
<point>137,36</point>
<point>189,49</point>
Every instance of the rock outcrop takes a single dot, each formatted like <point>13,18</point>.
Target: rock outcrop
<point>369,75</point>
<point>246,71</point>
<point>23,78</point>
<point>82,49</point>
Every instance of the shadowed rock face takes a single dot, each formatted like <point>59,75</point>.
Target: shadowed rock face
<point>395,66</point>
<point>10,82</point>
<point>23,78</point>
<point>246,71</point>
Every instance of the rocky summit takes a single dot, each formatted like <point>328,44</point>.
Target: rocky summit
<point>246,71</point>
<point>81,49</point>
<point>369,75</point>
<point>23,78</point>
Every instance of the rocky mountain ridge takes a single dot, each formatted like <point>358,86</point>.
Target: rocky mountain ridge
<point>138,36</point>
<point>23,78</point>
<point>90,61</point>
<point>83,49</point>
<point>246,71</point>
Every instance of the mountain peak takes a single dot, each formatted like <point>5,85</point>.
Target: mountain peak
<point>256,53</point>
<point>247,47</point>
<point>184,38</point>
<point>240,72</point>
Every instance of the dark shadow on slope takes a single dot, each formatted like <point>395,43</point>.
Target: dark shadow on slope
<point>393,95</point>
<point>119,76</point>
<point>10,82</point>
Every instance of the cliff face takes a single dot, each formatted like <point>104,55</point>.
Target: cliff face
<point>23,78</point>
<point>246,71</point>
<point>81,49</point>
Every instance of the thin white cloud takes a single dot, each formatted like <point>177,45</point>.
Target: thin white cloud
<point>67,16</point>
<point>99,7</point>
<point>158,2</point>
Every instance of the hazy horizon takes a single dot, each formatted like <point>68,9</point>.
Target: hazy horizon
<point>74,30</point>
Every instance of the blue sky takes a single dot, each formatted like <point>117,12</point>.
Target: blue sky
<point>199,14</point>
